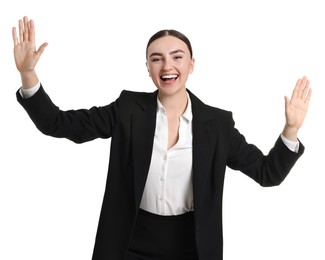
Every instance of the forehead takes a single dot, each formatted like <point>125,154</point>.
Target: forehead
<point>167,44</point>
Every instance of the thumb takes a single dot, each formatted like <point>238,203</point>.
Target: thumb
<point>41,50</point>
<point>286,104</point>
<point>286,99</point>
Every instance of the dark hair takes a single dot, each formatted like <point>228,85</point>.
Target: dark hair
<point>173,33</point>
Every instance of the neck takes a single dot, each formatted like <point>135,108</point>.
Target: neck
<point>174,104</point>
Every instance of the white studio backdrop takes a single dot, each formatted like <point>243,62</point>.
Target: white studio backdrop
<point>248,54</point>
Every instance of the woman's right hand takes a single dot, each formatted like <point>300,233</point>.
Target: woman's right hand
<point>25,53</point>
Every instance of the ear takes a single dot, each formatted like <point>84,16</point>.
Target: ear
<point>192,65</point>
<point>148,69</point>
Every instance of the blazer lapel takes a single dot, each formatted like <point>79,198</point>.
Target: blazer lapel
<point>143,130</point>
<point>203,135</point>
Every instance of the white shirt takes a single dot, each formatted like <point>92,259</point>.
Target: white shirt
<point>169,188</point>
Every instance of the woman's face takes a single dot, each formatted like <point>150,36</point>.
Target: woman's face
<point>169,63</point>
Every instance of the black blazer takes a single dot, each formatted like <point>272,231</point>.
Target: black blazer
<point>130,121</point>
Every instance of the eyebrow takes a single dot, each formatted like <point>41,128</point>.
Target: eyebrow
<point>172,52</point>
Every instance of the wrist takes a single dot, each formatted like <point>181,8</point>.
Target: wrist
<point>291,133</point>
<point>29,79</point>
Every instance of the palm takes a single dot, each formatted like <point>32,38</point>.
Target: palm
<point>297,107</point>
<point>26,56</point>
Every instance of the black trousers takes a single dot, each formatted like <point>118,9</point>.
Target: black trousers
<point>163,237</point>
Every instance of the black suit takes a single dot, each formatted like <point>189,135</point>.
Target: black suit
<point>130,121</point>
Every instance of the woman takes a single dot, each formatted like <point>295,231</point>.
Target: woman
<point>169,153</point>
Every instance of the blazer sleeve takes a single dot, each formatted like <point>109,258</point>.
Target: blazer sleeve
<point>267,170</point>
<point>76,125</point>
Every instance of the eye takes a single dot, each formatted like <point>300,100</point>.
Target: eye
<point>156,60</point>
<point>178,57</point>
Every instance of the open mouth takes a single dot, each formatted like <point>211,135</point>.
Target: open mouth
<point>168,78</point>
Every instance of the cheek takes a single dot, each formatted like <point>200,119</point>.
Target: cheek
<point>153,74</point>
<point>188,69</point>
<point>153,71</point>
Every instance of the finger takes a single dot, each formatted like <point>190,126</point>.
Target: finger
<point>305,90</point>
<point>14,36</point>
<point>308,96</point>
<point>21,31</point>
<point>302,87</point>
<point>25,30</point>
<point>295,92</point>
<point>32,31</point>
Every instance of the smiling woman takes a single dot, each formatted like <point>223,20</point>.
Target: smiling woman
<point>169,153</point>
<point>169,62</point>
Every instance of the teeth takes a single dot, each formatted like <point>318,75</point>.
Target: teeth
<point>169,76</point>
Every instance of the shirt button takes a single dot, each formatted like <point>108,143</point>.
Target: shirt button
<point>165,156</point>
<point>162,178</point>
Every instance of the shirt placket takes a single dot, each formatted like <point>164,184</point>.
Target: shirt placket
<point>164,169</point>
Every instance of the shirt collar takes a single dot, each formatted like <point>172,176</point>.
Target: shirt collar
<point>187,113</point>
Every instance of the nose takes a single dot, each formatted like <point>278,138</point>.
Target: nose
<point>167,64</point>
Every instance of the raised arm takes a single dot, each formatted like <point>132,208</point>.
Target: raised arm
<point>25,53</point>
<point>296,108</point>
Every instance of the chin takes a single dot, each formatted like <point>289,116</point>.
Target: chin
<point>170,90</point>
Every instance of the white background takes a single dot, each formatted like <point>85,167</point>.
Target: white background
<point>249,54</point>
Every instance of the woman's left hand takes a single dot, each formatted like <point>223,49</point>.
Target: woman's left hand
<point>296,108</point>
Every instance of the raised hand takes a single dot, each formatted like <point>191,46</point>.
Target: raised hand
<point>296,108</point>
<point>25,53</point>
